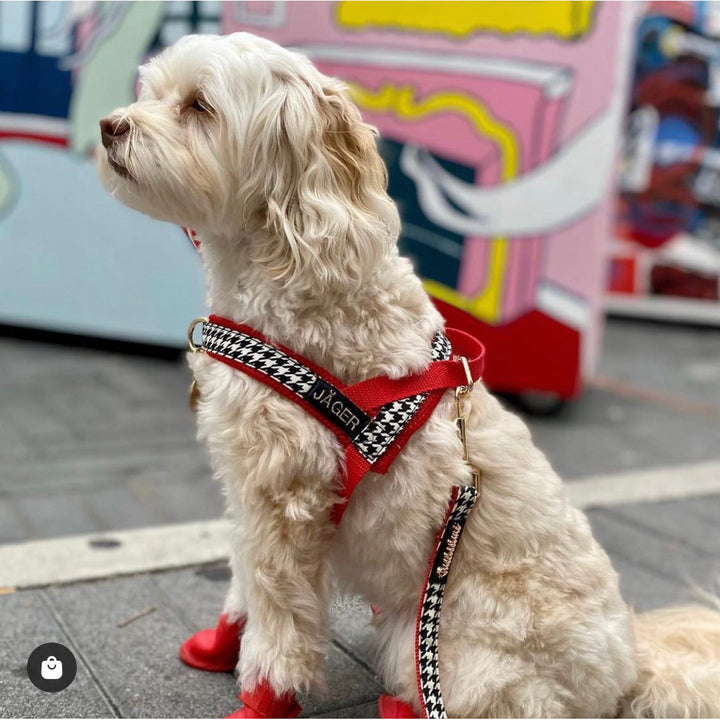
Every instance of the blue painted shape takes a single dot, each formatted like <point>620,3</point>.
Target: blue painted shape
<point>75,260</point>
<point>434,250</point>
<point>34,85</point>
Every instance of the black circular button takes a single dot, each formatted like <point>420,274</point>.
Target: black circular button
<point>51,667</point>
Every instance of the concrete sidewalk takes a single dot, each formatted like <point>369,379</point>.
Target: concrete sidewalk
<point>125,631</point>
<point>92,442</point>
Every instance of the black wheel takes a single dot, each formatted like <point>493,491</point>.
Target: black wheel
<point>539,403</point>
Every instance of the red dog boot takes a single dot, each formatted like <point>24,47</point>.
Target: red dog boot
<point>262,702</point>
<point>215,649</point>
<point>392,707</point>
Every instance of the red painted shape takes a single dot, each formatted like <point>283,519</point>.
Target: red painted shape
<point>533,353</point>
<point>622,275</point>
<point>48,139</point>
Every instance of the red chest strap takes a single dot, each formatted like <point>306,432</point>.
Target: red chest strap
<point>372,419</point>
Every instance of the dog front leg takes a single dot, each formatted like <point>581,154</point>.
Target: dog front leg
<point>285,639</point>
<point>218,649</point>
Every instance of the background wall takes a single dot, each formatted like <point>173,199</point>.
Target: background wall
<point>499,125</point>
<point>72,258</point>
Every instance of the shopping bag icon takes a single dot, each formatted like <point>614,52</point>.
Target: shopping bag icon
<point>51,669</point>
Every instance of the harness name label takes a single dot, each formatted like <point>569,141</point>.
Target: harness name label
<point>337,408</point>
<point>447,556</point>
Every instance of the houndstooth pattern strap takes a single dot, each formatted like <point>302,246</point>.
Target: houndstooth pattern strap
<point>246,349</point>
<point>428,620</point>
<point>392,418</point>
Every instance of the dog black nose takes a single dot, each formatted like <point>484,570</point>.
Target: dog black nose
<point>112,129</point>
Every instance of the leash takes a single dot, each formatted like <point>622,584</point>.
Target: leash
<point>373,420</point>
<point>462,500</point>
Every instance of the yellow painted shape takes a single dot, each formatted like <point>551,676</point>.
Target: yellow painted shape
<point>400,100</point>
<point>486,304</point>
<point>564,19</point>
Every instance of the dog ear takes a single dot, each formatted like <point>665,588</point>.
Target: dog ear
<point>327,197</point>
<point>351,150</point>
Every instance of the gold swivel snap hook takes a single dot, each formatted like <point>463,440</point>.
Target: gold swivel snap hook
<point>462,392</point>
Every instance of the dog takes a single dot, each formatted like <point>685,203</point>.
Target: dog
<point>272,165</point>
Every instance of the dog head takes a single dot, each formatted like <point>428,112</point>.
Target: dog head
<point>236,134</point>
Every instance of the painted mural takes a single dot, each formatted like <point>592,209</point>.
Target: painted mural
<point>499,123</point>
<point>74,260</point>
<point>491,115</point>
<point>666,257</point>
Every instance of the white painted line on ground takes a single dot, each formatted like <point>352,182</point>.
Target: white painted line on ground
<point>126,552</point>
<point>164,547</point>
<point>666,483</point>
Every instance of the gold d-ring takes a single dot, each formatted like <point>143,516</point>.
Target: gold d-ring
<point>191,342</point>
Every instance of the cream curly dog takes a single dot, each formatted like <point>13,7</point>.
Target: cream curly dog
<point>270,162</point>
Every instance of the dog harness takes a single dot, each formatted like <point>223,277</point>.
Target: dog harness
<point>373,420</point>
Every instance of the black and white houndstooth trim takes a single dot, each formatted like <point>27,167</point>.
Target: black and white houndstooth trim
<point>371,437</point>
<point>392,418</point>
<point>246,349</point>
<point>426,647</point>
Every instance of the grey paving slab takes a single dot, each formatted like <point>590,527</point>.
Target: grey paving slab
<point>672,358</point>
<point>655,552</point>
<point>349,685</point>
<point>27,623</point>
<point>204,501</point>
<point>86,470</point>
<point>351,624</point>
<point>55,514</point>
<point>36,421</point>
<point>604,432</point>
<point>14,446</point>
<point>644,589</point>
<point>196,595</point>
<point>13,527</point>
<point>671,520</point>
<point>705,508</point>
<point>368,710</point>
<point>119,507</point>
<point>137,667</point>
<point>600,433</point>
<point>138,662</point>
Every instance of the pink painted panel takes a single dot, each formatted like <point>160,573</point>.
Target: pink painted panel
<point>547,93</point>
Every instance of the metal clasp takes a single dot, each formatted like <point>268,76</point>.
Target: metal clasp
<point>462,392</point>
<point>191,331</point>
<point>194,398</point>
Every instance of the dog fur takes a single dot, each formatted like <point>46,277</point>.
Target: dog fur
<point>272,165</point>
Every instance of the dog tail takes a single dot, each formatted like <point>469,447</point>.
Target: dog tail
<point>678,656</point>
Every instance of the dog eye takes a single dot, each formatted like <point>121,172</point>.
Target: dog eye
<point>199,106</point>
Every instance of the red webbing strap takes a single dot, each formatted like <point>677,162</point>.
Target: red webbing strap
<point>356,465</point>
<point>440,375</point>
